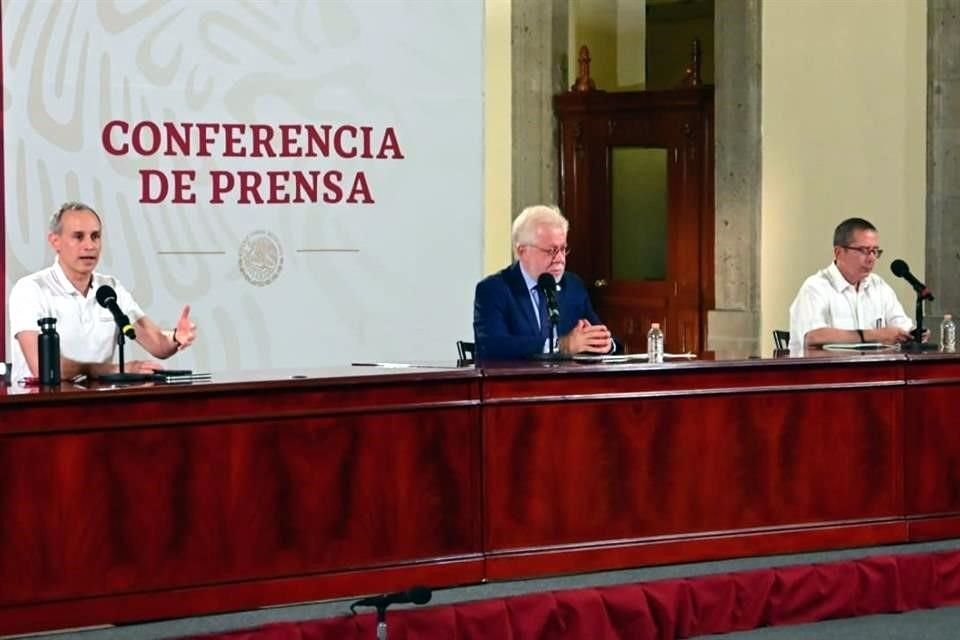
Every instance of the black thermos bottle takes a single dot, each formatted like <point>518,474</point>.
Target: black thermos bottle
<point>48,348</point>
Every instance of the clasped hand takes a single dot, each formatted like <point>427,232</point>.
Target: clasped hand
<point>586,337</point>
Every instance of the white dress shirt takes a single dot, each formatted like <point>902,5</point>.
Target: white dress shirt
<point>826,299</point>
<point>87,331</point>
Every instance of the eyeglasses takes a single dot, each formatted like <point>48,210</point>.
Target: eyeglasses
<point>866,251</point>
<point>553,252</point>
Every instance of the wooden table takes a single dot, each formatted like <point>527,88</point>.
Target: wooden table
<point>138,503</point>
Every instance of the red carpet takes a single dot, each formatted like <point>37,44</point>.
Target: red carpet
<point>664,609</point>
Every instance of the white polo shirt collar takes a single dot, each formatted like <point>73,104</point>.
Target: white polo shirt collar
<point>840,284</point>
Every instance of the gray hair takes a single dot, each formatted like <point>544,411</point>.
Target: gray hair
<point>843,234</point>
<point>525,226</point>
<point>56,220</point>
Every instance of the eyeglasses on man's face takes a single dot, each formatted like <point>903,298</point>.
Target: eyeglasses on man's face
<point>553,252</point>
<point>876,252</point>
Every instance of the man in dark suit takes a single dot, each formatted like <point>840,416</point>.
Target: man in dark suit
<point>509,311</point>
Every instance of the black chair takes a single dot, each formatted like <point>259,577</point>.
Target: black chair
<point>465,351</point>
<point>781,340</point>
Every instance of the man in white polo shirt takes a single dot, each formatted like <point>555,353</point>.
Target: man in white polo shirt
<point>67,291</point>
<point>847,302</point>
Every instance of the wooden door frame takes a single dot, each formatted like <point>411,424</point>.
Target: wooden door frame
<point>588,122</point>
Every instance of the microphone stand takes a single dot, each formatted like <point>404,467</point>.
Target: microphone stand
<point>916,342</point>
<point>553,335</point>
<point>382,622</point>
<point>918,332</point>
<point>122,377</point>
<point>416,595</point>
<point>552,354</point>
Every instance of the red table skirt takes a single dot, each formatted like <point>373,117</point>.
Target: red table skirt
<point>664,609</point>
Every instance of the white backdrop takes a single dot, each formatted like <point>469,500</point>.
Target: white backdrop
<point>271,285</point>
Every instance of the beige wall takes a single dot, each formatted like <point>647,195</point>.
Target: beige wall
<point>497,136</point>
<point>843,122</point>
<point>594,24</point>
<point>671,31</point>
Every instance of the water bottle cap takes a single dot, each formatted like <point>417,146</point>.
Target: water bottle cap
<point>654,325</point>
<point>47,323</point>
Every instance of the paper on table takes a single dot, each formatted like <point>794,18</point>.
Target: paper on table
<point>858,346</point>
<point>385,365</point>
<point>404,365</point>
<point>630,357</point>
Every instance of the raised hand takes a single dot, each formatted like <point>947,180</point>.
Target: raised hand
<point>185,331</point>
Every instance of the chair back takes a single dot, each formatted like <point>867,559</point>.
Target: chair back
<point>465,351</point>
<point>781,340</point>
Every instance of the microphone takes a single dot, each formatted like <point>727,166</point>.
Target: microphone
<point>548,287</point>
<point>414,595</point>
<point>107,298</point>
<point>901,270</point>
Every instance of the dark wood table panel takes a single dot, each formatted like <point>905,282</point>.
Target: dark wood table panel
<point>932,447</point>
<point>580,558</point>
<point>234,397</point>
<point>206,599</point>
<point>590,467</point>
<point>109,512</point>
<point>263,488</point>
<point>138,503</point>
<point>574,380</point>
<point>568,472</point>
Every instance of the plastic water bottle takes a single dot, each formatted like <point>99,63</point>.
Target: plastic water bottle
<point>48,351</point>
<point>655,343</point>
<point>948,334</point>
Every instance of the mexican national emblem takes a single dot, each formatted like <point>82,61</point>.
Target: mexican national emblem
<point>260,258</point>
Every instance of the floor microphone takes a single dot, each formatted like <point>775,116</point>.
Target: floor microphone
<point>414,595</point>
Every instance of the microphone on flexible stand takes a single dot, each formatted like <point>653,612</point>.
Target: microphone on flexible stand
<point>414,595</point>
<point>902,270</point>
<point>548,287</point>
<point>107,298</point>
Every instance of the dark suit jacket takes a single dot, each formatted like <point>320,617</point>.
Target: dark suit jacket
<point>504,323</point>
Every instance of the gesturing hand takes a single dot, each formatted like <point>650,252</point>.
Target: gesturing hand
<point>185,330</point>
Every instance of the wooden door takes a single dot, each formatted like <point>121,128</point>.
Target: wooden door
<point>647,251</point>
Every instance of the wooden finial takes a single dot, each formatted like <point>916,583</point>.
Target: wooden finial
<point>584,81</point>
<point>691,75</point>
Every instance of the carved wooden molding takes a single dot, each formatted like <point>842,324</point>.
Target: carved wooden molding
<point>584,81</point>
<point>691,75</point>
<point>578,136</point>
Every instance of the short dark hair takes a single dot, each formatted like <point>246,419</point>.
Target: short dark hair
<point>843,234</point>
